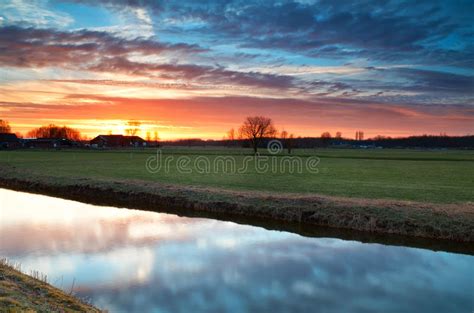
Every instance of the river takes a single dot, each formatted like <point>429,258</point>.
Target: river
<point>136,261</point>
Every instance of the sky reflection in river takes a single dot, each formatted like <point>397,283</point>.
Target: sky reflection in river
<point>135,261</point>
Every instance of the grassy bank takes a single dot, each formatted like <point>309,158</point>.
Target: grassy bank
<point>23,293</point>
<point>451,221</point>
<point>425,176</point>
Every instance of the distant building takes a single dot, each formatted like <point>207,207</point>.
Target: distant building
<point>117,141</point>
<point>9,141</point>
<point>50,143</point>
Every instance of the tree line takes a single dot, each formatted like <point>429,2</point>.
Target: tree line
<point>257,131</point>
<point>47,131</point>
<point>55,131</point>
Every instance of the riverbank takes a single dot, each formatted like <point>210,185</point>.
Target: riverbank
<point>453,222</point>
<point>23,293</point>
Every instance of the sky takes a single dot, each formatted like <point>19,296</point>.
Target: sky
<point>190,69</point>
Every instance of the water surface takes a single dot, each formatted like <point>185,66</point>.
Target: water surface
<point>136,261</point>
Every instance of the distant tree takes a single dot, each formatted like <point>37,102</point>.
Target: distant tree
<point>53,131</point>
<point>326,135</point>
<point>290,143</point>
<point>338,135</point>
<point>326,138</point>
<point>255,128</point>
<point>133,128</point>
<point>156,138</point>
<point>287,140</point>
<point>231,134</point>
<point>359,135</point>
<point>148,136</point>
<point>5,127</point>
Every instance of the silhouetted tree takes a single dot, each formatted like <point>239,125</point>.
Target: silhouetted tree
<point>338,135</point>
<point>5,127</point>
<point>290,143</point>
<point>359,135</point>
<point>133,128</point>
<point>231,134</point>
<point>255,128</point>
<point>287,140</point>
<point>53,131</point>
<point>380,137</point>
<point>326,138</point>
<point>326,135</point>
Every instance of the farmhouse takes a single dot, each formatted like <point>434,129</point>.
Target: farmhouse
<point>9,141</point>
<point>116,141</point>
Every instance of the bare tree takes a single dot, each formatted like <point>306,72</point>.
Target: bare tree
<point>133,128</point>
<point>148,136</point>
<point>5,127</point>
<point>338,135</point>
<point>156,138</point>
<point>231,134</point>
<point>255,128</point>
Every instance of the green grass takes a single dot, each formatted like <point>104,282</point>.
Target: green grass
<point>429,176</point>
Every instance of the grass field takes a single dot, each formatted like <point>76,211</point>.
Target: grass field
<point>428,176</point>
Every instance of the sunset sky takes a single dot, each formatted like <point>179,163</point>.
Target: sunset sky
<point>197,68</point>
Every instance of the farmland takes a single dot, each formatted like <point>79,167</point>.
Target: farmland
<point>425,176</point>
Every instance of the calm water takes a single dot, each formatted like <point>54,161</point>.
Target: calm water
<point>135,261</point>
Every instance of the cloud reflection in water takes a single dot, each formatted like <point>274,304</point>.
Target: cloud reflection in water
<point>135,261</point>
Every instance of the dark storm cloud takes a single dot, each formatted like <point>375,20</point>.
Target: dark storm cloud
<point>377,30</point>
<point>385,36</point>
